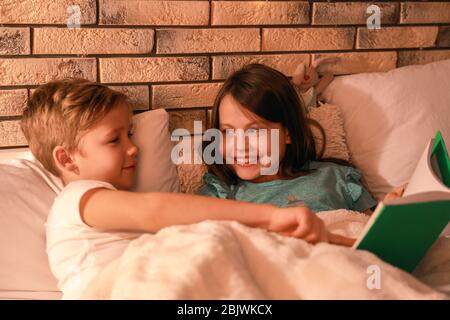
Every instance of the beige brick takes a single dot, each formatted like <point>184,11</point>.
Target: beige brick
<point>12,102</point>
<point>444,36</point>
<point>291,39</point>
<point>92,41</point>
<point>406,58</point>
<point>351,13</point>
<point>139,96</point>
<point>11,135</point>
<point>358,62</point>
<point>416,12</point>
<point>161,13</point>
<point>37,71</point>
<point>184,119</point>
<point>184,95</point>
<point>45,11</point>
<point>259,12</point>
<point>117,70</point>
<point>207,40</point>
<point>396,37</point>
<point>223,66</point>
<point>14,41</point>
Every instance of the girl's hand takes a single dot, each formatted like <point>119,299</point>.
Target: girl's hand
<point>301,222</point>
<point>395,193</point>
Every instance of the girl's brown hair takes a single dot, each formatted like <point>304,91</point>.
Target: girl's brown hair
<point>270,95</point>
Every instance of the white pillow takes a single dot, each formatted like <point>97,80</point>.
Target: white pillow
<point>390,116</point>
<point>18,153</point>
<point>27,192</point>
<point>155,170</point>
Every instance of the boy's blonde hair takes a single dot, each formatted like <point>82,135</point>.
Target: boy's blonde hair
<point>58,112</point>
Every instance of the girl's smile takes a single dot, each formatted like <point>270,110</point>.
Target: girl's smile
<point>249,160</point>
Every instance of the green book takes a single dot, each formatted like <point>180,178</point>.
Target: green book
<point>402,230</point>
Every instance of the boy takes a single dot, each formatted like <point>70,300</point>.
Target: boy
<point>80,131</point>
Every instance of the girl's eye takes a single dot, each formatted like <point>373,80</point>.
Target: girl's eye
<point>130,134</point>
<point>229,132</point>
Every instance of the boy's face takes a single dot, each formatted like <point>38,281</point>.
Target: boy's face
<point>106,153</point>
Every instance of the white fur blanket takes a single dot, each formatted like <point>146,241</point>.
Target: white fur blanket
<point>226,260</point>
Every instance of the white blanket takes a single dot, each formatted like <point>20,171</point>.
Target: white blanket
<point>227,260</point>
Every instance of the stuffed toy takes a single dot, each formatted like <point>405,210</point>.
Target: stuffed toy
<point>309,84</point>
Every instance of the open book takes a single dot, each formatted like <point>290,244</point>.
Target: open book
<point>402,230</point>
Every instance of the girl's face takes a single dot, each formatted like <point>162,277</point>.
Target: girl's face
<point>248,159</point>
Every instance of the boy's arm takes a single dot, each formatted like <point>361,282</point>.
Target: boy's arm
<point>150,212</point>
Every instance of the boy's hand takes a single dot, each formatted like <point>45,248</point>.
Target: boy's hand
<point>395,193</point>
<point>301,222</point>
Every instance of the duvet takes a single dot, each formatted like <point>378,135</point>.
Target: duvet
<point>227,260</point>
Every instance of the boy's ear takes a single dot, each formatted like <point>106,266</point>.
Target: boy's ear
<point>64,160</point>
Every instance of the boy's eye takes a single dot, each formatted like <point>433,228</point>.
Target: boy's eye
<point>130,134</point>
<point>115,140</point>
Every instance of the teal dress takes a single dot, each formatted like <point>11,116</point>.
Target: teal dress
<point>327,187</point>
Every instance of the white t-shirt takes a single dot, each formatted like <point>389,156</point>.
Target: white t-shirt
<point>76,251</point>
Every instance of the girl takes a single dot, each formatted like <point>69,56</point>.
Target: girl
<point>259,97</point>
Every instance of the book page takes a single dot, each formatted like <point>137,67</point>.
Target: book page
<point>425,178</point>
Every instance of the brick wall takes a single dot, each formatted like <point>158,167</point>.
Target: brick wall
<point>175,54</point>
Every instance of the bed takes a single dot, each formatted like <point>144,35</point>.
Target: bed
<point>379,121</point>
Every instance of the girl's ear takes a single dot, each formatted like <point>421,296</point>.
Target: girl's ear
<point>64,160</point>
<point>287,136</point>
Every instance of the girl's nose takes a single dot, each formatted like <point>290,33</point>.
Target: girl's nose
<point>241,143</point>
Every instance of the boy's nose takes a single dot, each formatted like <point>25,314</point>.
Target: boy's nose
<point>133,150</point>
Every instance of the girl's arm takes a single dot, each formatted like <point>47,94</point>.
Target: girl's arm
<point>395,193</point>
<point>150,212</point>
